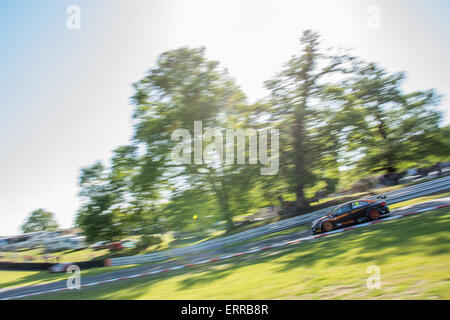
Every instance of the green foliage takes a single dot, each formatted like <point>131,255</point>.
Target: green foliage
<point>308,141</point>
<point>183,88</point>
<point>40,220</point>
<point>95,216</point>
<point>338,119</point>
<point>146,241</point>
<point>381,126</point>
<point>191,210</point>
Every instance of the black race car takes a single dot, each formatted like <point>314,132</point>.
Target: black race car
<point>350,213</point>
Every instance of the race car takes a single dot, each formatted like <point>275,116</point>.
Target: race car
<point>350,213</point>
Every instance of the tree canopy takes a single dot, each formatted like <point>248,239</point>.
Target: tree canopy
<point>331,110</point>
<point>40,220</point>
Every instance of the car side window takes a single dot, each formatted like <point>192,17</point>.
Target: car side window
<point>346,207</point>
<point>338,211</point>
<point>358,204</point>
<point>343,209</point>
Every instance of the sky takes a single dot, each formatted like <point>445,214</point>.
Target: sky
<point>65,93</point>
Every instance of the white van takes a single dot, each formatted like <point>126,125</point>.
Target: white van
<point>36,239</point>
<point>64,243</point>
<point>24,241</point>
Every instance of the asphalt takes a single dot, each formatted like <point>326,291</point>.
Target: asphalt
<point>11,292</point>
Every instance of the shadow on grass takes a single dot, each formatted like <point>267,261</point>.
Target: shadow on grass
<point>404,235</point>
<point>35,278</point>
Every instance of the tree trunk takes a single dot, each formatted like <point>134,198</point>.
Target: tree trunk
<point>300,150</point>
<point>222,198</point>
<point>300,198</point>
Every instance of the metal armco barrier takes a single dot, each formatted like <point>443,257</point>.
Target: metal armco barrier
<point>46,265</point>
<point>395,196</point>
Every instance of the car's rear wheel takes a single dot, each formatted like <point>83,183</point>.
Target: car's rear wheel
<point>327,226</point>
<point>374,214</point>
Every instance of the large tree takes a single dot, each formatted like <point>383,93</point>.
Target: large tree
<point>40,220</point>
<point>130,196</point>
<point>324,105</point>
<point>96,217</point>
<point>112,206</point>
<point>183,88</point>
<point>308,145</point>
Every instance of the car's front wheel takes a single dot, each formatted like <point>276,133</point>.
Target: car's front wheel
<point>327,226</point>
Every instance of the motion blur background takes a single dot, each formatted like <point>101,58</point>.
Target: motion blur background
<point>65,94</point>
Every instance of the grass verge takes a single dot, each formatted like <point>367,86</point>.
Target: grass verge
<point>412,254</point>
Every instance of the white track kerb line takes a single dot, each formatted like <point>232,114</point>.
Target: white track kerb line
<point>275,245</point>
